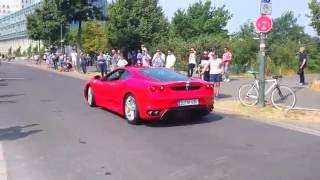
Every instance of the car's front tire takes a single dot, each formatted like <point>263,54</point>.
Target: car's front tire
<point>90,97</point>
<point>131,111</point>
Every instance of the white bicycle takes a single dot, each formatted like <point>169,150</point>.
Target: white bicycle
<point>282,97</point>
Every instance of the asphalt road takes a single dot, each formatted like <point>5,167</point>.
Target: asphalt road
<point>48,133</point>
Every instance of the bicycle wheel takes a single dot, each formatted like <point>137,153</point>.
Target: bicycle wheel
<point>283,98</point>
<point>248,95</point>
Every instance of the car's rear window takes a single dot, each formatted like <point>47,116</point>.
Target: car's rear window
<point>163,75</point>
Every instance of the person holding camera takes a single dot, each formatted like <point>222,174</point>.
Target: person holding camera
<point>302,56</point>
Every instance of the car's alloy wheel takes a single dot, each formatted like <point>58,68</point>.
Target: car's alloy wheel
<point>91,100</point>
<point>131,110</point>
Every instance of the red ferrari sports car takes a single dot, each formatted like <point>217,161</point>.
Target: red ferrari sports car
<point>139,93</point>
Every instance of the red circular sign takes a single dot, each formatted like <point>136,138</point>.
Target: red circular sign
<point>264,24</point>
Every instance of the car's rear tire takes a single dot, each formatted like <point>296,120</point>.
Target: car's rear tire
<point>90,97</point>
<point>131,111</point>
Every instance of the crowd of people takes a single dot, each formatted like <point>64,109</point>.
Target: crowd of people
<point>209,65</point>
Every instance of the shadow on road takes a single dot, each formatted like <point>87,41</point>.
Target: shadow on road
<point>178,120</point>
<point>10,95</point>
<point>17,132</point>
<point>7,102</point>
<point>184,121</point>
<point>296,89</point>
<point>3,84</point>
<point>224,96</point>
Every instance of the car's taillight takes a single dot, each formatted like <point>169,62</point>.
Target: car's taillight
<point>161,88</point>
<point>209,86</point>
<point>157,88</point>
<point>153,88</point>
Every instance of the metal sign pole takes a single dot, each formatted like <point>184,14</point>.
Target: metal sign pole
<point>265,25</point>
<point>262,58</point>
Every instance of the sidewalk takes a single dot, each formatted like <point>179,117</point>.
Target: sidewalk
<point>91,70</point>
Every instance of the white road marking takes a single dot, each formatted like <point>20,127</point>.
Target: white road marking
<point>305,109</point>
<point>3,169</point>
<point>294,128</point>
<point>1,79</point>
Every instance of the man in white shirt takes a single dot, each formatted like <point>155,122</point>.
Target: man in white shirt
<point>192,61</point>
<point>216,70</point>
<point>162,55</point>
<point>74,57</point>
<point>171,60</point>
<point>122,62</point>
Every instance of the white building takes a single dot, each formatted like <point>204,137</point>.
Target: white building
<point>9,6</point>
<point>13,31</point>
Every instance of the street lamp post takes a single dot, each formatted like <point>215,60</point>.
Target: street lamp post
<point>61,38</point>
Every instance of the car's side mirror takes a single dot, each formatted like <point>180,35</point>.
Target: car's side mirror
<point>97,77</point>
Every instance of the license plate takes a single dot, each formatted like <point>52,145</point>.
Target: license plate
<point>190,102</point>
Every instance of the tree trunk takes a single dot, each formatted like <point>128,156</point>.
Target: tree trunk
<point>79,45</point>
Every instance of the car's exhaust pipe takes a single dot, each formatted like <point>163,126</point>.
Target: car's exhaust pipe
<point>153,112</point>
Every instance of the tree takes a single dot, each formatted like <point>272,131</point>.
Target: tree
<point>314,7</point>
<point>45,23</point>
<point>244,48</point>
<point>29,50</point>
<point>35,28</point>
<point>131,23</point>
<point>200,19</point>
<point>79,11</point>
<point>285,28</point>
<point>93,37</point>
<point>17,52</point>
<point>10,51</point>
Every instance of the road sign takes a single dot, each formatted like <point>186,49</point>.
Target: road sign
<point>264,24</point>
<point>266,8</point>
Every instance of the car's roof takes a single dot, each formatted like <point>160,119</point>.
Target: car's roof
<point>135,68</point>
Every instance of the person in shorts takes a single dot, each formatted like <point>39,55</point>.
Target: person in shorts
<point>227,59</point>
<point>216,70</point>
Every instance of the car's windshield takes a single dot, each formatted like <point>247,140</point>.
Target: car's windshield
<point>163,75</point>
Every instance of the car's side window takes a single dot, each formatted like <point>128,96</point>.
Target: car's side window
<point>124,75</point>
<point>116,75</point>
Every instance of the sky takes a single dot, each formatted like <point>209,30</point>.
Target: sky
<point>244,10</point>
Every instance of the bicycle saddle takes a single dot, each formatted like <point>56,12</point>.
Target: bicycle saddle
<point>276,77</point>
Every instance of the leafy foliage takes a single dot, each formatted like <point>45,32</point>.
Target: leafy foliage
<point>93,37</point>
<point>79,11</point>
<point>200,19</point>
<point>131,23</point>
<point>285,28</point>
<point>314,7</point>
<point>10,51</point>
<point>45,23</point>
<point>17,52</point>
